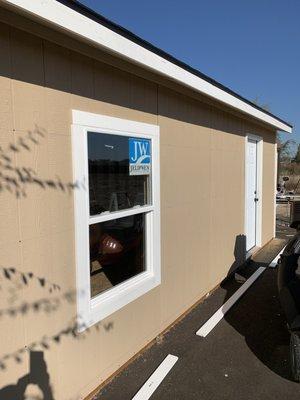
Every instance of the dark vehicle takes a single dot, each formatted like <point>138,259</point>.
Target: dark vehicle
<point>289,289</point>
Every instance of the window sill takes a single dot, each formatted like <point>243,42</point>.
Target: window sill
<point>114,299</point>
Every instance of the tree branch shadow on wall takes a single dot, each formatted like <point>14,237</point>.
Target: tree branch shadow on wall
<point>257,315</point>
<point>45,305</point>
<point>15,179</point>
<point>38,376</point>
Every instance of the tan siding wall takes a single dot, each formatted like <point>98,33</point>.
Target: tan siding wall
<point>202,205</point>
<point>269,200</point>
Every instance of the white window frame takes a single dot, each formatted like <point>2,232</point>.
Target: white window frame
<point>92,310</point>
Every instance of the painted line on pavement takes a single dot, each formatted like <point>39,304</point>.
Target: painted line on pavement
<point>273,264</point>
<point>156,378</point>
<point>220,313</point>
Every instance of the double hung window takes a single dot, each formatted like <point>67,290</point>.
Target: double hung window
<point>117,216</point>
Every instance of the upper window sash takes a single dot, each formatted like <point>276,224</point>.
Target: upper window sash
<point>119,172</point>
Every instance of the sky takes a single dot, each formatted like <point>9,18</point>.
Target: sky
<point>252,46</point>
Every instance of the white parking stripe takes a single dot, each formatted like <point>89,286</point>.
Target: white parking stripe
<point>275,261</point>
<point>219,314</point>
<point>156,378</point>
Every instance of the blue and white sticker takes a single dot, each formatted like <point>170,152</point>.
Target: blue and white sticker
<point>139,156</point>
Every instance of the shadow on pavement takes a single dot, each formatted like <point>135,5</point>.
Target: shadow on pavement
<point>258,317</point>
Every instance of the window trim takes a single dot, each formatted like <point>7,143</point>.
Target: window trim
<point>91,311</point>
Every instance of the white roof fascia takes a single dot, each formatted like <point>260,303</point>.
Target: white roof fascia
<point>65,18</point>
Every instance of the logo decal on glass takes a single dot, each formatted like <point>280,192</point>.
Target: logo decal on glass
<point>139,156</point>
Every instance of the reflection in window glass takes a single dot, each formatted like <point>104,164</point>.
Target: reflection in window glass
<point>117,251</point>
<point>111,188</point>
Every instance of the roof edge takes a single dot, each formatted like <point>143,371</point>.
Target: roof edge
<point>75,18</point>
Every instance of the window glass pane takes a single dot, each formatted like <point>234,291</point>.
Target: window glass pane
<point>119,172</point>
<point>117,251</point>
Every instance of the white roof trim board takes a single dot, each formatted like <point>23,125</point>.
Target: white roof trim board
<point>63,17</point>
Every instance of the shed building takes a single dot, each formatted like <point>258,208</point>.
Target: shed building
<point>131,186</point>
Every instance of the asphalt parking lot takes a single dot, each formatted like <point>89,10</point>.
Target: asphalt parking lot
<point>244,357</point>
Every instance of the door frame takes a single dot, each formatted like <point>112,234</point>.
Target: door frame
<point>259,171</point>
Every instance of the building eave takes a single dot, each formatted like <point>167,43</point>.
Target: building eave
<point>109,37</point>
